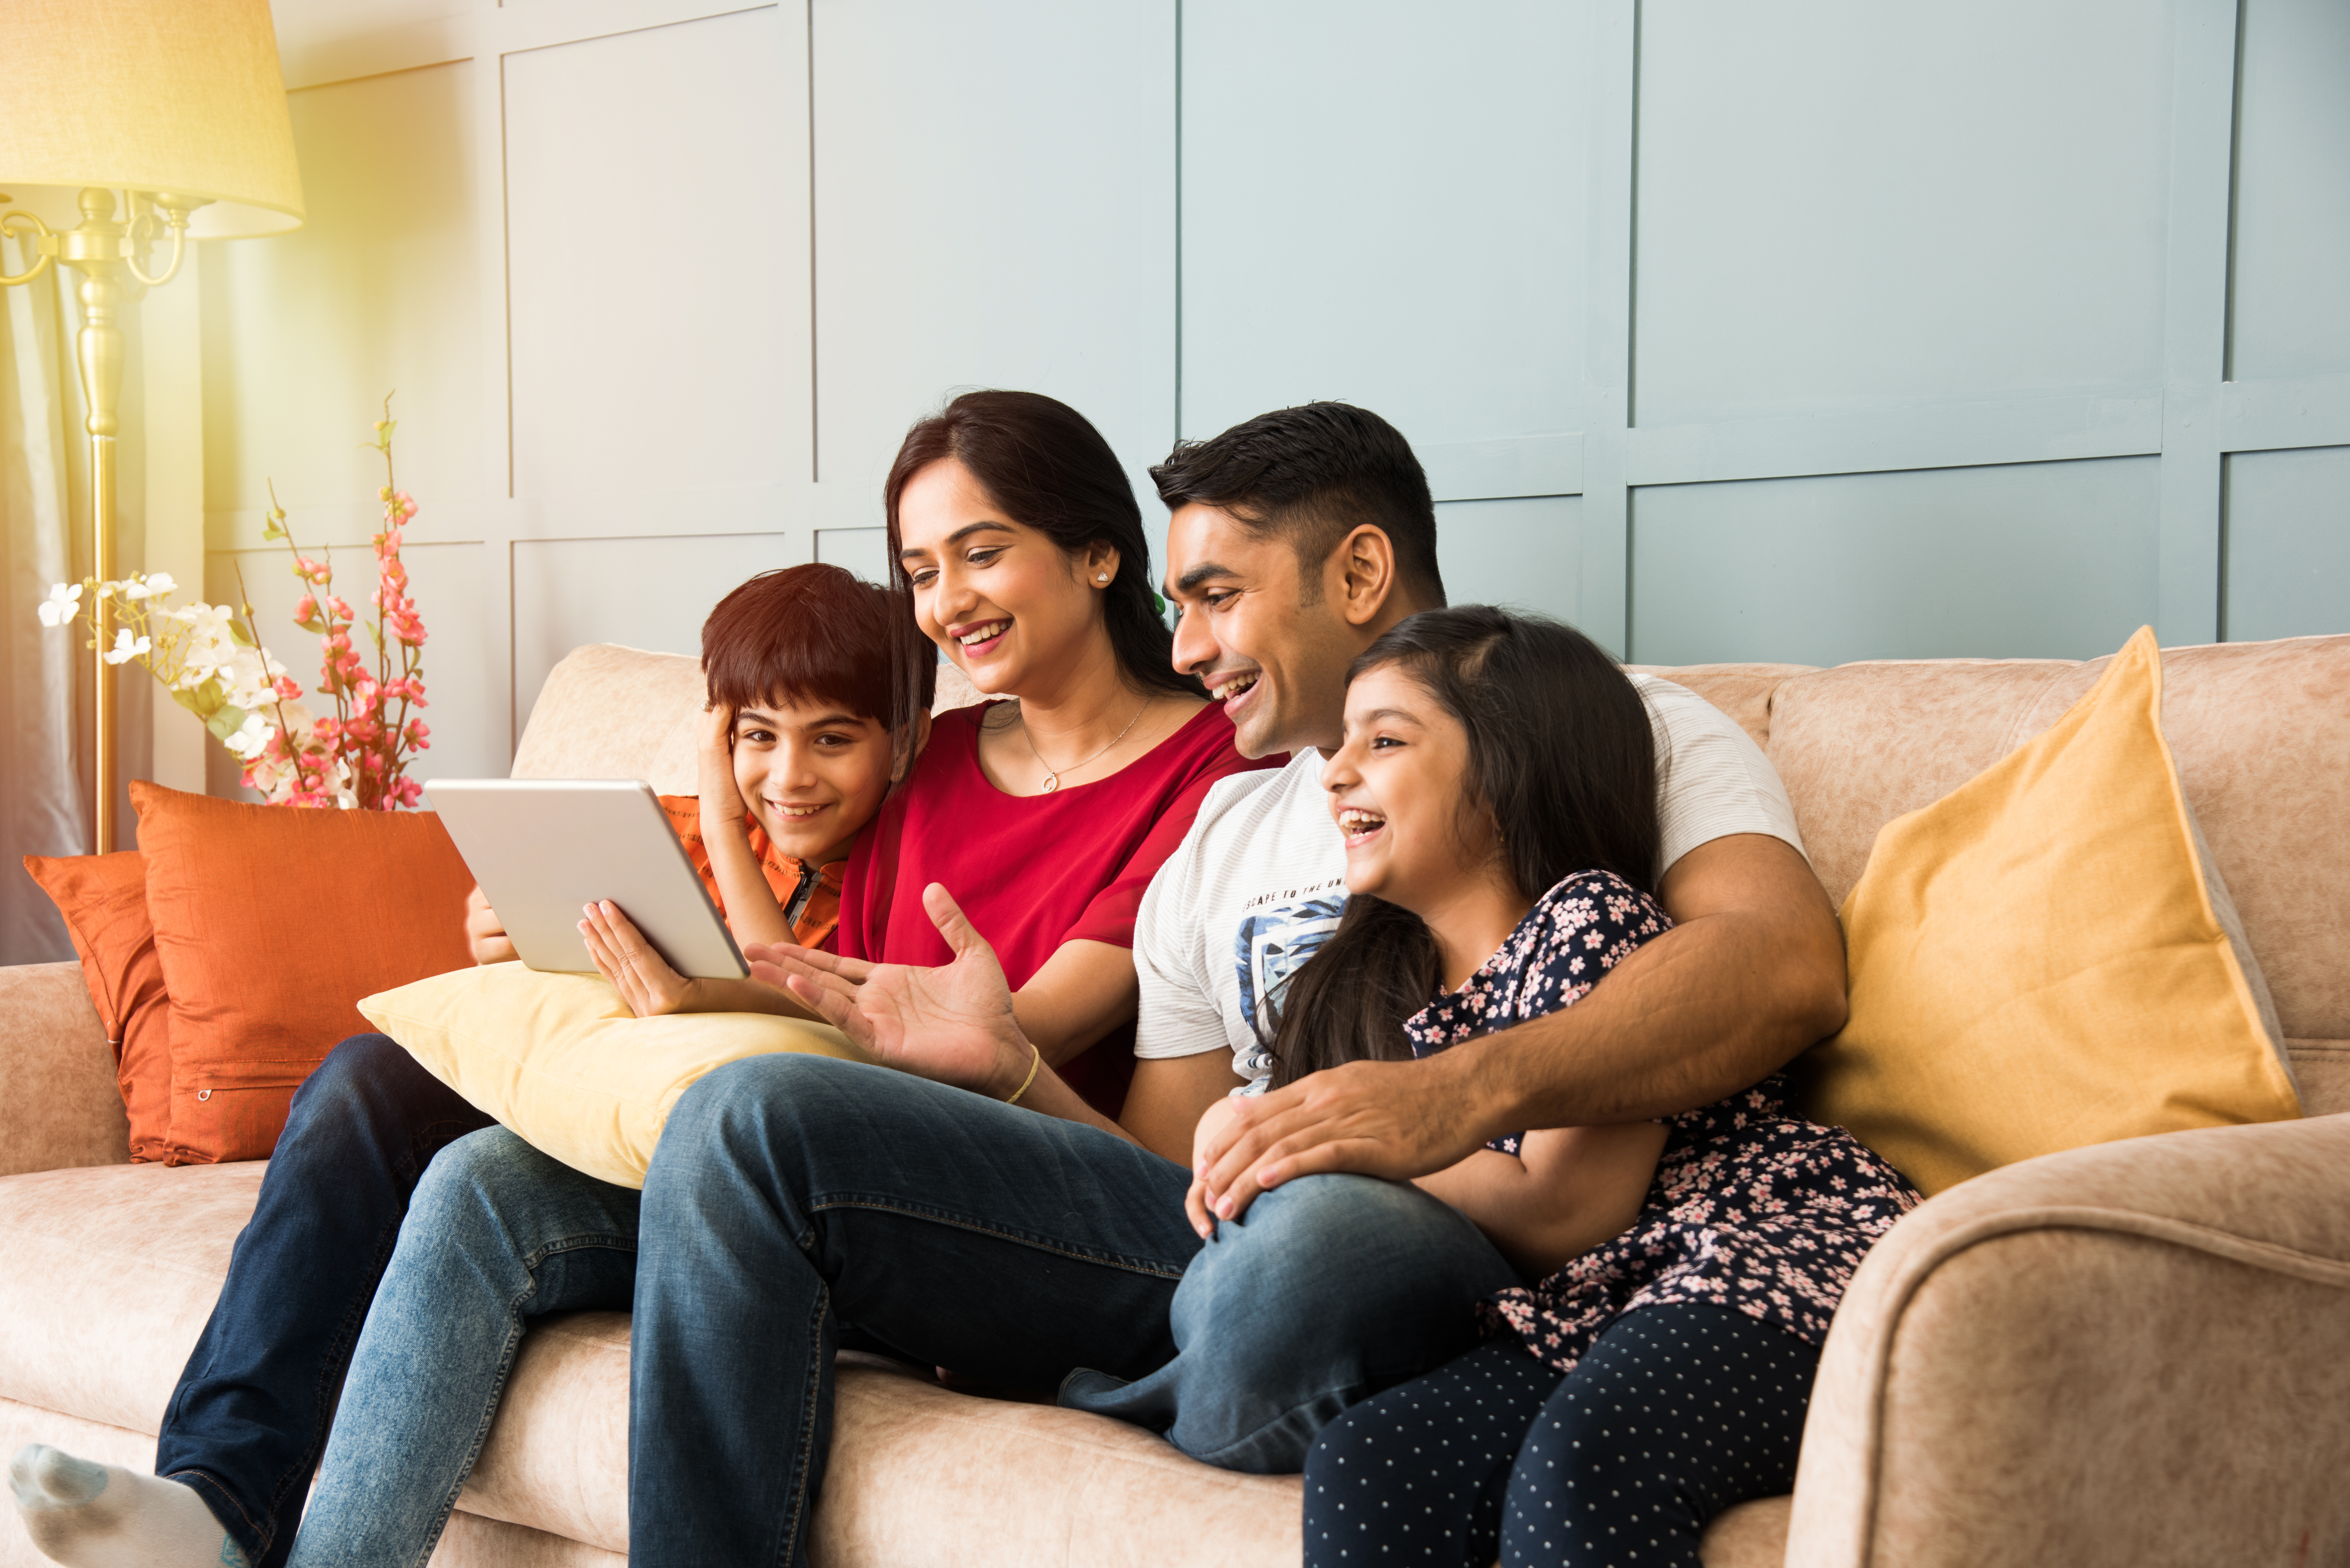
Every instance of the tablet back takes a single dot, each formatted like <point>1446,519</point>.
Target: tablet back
<point>542,849</point>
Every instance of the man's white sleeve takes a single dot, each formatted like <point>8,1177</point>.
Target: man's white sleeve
<point>1713,780</point>
<point>1178,1014</point>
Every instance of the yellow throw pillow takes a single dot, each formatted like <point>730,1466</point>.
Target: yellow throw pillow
<point>2045,958</point>
<point>557,1058</point>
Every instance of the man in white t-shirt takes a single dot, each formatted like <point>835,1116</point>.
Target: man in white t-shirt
<point>1296,539</point>
<point>1279,589</point>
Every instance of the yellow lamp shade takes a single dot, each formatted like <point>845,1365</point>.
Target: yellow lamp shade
<point>178,96</point>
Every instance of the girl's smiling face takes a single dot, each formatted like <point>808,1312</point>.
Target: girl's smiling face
<point>811,774</point>
<point>1397,786</point>
<point>1004,601</point>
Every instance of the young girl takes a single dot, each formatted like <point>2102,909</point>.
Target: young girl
<point>1496,792</point>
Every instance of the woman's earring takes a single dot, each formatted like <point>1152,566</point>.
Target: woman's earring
<point>1101,576</point>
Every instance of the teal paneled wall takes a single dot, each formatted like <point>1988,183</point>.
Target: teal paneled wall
<point>2052,560</point>
<point>1821,330</point>
<point>994,206</point>
<point>2288,543</point>
<point>2291,300</point>
<point>1524,551</point>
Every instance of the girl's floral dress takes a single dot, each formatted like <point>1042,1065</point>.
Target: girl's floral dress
<point>1751,1208</point>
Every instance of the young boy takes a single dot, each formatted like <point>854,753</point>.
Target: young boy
<point>819,691</point>
<point>819,688</point>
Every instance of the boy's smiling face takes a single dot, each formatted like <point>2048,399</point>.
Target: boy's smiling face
<point>811,774</point>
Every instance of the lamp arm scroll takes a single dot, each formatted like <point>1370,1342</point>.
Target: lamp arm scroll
<point>22,222</point>
<point>141,232</point>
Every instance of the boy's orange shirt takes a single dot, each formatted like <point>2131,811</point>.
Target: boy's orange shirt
<point>817,921</point>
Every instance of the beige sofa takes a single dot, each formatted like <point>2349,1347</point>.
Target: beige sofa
<point>2137,1353</point>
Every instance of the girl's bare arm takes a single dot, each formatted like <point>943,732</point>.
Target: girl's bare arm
<point>1567,1190</point>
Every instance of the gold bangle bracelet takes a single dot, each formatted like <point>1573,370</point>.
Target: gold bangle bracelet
<point>1035,1061</point>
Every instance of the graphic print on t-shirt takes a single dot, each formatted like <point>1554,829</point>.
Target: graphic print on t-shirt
<point>1270,944</point>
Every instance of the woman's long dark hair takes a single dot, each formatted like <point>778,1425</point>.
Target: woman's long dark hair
<point>1560,752</point>
<point>1048,468</point>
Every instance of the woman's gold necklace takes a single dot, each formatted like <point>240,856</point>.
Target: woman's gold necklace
<point>1051,773</point>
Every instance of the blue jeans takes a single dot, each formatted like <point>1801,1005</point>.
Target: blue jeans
<point>797,1201</point>
<point>246,1423</point>
<point>498,1233</point>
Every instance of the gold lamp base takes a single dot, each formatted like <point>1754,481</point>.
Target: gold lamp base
<point>107,254</point>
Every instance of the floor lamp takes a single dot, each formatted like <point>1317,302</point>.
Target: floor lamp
<point>179,106</point>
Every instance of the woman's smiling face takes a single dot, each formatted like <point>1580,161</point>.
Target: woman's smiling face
<point>1004,601</point>
<point>1397,790</point>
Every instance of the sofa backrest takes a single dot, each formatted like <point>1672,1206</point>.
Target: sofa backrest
<point>2261,731</point>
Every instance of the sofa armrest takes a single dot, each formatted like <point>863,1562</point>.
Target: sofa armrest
<point>2137,1351</point>
<point>62,1106</point>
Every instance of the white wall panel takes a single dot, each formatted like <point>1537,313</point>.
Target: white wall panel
<point>468,728</point>
<point>304,334</point>
<point>865,551</point>
<point>2291,276</point>
<point>2036,560</point>
<point>994,207</point>
<point>1525,552</point>
<point>2288,544</point>
<point>1842,201</point>
<point>652,593</point>
<point>1385,203</point>
<point>646,198</point>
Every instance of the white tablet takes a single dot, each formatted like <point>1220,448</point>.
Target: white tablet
<point>543,849</point>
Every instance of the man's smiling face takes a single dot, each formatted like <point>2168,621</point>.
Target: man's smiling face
<point>1266,638</point>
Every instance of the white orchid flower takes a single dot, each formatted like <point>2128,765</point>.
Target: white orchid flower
<point>247,742</point>
<point>161,583</point>
<point>133,590</point>
<point>62,604</point>
<point>127,648</point>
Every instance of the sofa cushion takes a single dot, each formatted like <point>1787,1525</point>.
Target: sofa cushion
<point>103,899</point>
<point>106,1276</point>
<point>2261,733</point>
<point>560,1060</point>
<point>909,1485</point>
<point>2040,960</point>
<point>271,922</point>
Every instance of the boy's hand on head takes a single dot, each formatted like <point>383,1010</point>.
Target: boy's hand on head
<point>1392,1119</point>
<point>952,1024</point>
<point>721,796</point>
<point>622,956</point>
<point>484,934</point>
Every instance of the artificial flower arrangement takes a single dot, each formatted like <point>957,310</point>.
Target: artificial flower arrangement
<point>208,660</point>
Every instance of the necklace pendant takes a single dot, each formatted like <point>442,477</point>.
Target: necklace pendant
<point>1051,782</point>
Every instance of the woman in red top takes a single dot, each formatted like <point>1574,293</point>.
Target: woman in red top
<point>1016,533</point>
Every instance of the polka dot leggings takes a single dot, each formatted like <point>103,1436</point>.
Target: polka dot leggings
<point>1678,1413</point>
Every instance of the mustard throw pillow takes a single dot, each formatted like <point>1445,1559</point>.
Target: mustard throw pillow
<point>559,1060</point>
<point>2045,958</point>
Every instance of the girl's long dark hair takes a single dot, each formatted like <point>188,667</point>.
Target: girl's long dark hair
<point>1562,754</point>
<point>1049,469</point>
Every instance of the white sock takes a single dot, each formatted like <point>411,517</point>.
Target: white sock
<point>102,1516</point>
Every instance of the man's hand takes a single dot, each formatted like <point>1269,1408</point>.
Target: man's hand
<point>1395,1119</point>
<point>952,1024</point>
<point>622,956</point>
<point>483,933</point>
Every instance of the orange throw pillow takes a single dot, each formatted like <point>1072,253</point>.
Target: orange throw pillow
<point>103,899</point>
<point>271,922</point>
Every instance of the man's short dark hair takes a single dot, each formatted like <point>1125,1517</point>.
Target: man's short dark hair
<point>1313,474</point>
